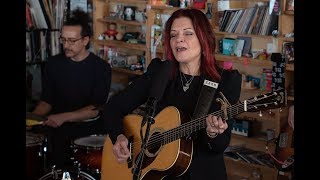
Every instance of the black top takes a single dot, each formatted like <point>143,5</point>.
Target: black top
<point>207,162</point>
<point>70,85</point>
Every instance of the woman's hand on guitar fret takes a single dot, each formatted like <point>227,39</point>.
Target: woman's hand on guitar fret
<point>215,126</point>
<point>120,149</point>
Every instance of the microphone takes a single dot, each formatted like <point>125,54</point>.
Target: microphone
<point>159,77</point>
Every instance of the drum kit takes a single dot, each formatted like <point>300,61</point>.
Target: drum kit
<point>86,154</point>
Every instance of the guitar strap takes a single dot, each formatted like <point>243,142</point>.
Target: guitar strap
<point>205,98</point>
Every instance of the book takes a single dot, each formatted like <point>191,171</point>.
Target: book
<point>288,52</point>
<point>238,47</point>
<point>247,44</point>
<point>227,46</point>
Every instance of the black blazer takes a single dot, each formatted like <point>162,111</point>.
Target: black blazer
<point>207,161</point>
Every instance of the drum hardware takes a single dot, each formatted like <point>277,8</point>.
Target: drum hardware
<point>54,172</point>
<point>66,175</point>
<point>77,165</point>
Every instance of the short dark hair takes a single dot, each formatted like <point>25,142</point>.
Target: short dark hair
<point>80,18</point>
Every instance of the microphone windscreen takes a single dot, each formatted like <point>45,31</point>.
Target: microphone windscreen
<point>160,79</point>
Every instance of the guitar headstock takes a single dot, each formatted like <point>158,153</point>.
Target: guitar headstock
<point>271,100</point>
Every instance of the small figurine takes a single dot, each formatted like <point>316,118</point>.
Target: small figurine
<point>119,36</point>
<point>101,37</point>
<point>111,32</point>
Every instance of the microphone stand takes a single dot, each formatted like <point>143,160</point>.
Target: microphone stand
<point>148,118</point>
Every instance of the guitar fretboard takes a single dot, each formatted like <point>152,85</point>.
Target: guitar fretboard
<point>197,124</point>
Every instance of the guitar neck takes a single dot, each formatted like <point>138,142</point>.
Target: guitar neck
<point>266,101</point>
<point>197,124</point>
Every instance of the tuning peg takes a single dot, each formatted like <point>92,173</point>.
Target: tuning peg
<point>260,113</point>
<point>280,110</point>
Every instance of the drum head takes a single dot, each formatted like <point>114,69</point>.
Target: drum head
<point>93,141</point>
<point>33,139</point>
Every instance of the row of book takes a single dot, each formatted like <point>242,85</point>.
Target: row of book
<point>255,20</point>
<point>45,14</point>
<point>40,44</point>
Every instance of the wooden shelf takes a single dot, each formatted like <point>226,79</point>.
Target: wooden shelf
<point>164,8</point>
<point>288,39</point>
<point>255,91</point>
<point>290,67</point>
<point>217,32</point>
<point>234,59</point>
<point>127,71</point>
<point>169,7</point>
<point>121,44</point>
<point>130,1</point>
<point>290,98</point>
<point>228,159</point>
<point>238,168</point>
<point>291,13</point>
<point>120,21</point>
<point>257,141</point>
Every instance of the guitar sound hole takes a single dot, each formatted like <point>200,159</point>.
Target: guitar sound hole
<point>154,143</point>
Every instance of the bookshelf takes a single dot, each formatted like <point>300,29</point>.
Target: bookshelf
<point>254,66</point>
<point>274,119</point>
<point>43,22</point>
<point>117,50</point>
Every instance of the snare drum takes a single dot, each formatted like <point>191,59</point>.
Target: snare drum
<point>88,151</point>
<point>34,155</point>
<point>58,175</point>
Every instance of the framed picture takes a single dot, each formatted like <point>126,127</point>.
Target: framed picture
<point>129,13</point>
<point>288,51</point>
<point>290,5</point>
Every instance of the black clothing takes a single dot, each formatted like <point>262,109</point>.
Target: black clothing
<point>69,86</point>
<point>207,161</point>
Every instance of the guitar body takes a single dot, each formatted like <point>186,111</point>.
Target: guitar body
<point>167,150</point>
<point>159,161</point>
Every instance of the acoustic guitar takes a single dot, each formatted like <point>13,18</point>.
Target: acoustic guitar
<point>167,152</point>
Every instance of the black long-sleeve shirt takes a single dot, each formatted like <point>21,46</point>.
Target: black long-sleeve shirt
<point>207,162</point>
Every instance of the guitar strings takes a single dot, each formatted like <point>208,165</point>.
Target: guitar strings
<point>197,124</point>
<point>173,134</point>
<point>184,129</point>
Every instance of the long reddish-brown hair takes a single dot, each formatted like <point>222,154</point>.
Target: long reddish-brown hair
<point>205,35</point>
